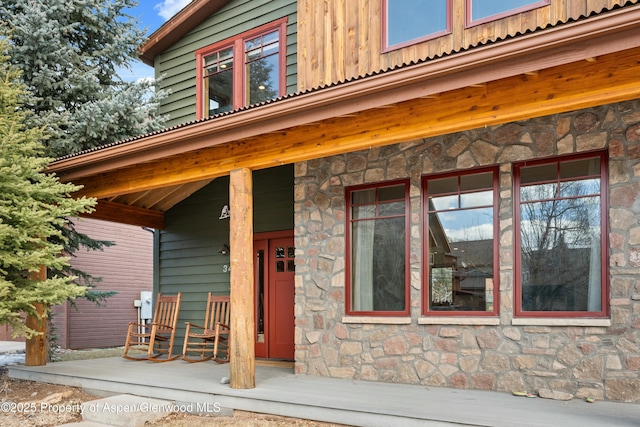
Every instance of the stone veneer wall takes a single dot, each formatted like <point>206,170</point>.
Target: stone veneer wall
<point>586,360</point>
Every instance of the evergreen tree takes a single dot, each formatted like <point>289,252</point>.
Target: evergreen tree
<point>34,207</point>
<point>69,52</point>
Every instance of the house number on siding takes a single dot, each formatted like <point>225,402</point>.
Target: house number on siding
<point>226,268</point>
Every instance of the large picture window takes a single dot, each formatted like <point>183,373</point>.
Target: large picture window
<point>481,11</point>
<point>377,247</point>
<point>461,215</point>
<point>561,233</point>
<point>406,22</point>
<point>244,70</point>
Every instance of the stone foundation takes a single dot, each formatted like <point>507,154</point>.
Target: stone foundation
<point>600,359</point>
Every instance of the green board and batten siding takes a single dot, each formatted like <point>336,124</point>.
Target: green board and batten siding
<point>187,258</point>
<point>177,64</point>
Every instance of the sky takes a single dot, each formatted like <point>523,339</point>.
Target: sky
<point>152,14</point>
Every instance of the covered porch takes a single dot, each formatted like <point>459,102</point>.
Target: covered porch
<point>349,402</point>
<point>578,65</point>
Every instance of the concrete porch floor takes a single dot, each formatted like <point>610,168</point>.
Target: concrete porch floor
<point>359,403</point>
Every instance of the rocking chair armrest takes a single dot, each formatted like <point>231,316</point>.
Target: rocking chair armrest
<point>223,325</point>
<point>139,324</point>
<point>161,326</point>
<point>193,325</point>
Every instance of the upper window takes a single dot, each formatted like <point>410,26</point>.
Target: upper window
<point>461,214</point>
<point>244,70</point>
<point>561,266</point>
<point>407,22</point>
<point>377,248</point>
<point>481,11</point>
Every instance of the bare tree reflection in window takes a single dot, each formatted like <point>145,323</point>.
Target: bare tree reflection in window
<point>560,247</point>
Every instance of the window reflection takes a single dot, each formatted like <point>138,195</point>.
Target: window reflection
<point>560,238</point>
<point>409,20</point>
<point>386,209</point>
<point>262,68</point>
<point>461,243</point>
<point>219,81</point>
<point>445,202</point>
<point>260,266</point>
<point>482,9</point>
<point>480,198</point>
<point>378,238</point>
<point>538,192</point>
<point>461,250</point>
<point>580,188</point>
<point>378,270</point>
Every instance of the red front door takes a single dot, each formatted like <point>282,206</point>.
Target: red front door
<point>275,275</point>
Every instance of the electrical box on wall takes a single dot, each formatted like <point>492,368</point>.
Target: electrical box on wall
<point>146,309</point>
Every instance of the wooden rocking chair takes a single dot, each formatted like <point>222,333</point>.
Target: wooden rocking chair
<point>210,341</point>
<point>156,337</point>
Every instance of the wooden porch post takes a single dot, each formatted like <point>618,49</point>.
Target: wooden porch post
<point>36,346</point>
<point>242,346</point>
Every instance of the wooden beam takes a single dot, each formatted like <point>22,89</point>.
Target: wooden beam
<point>242,355</point>
<point>125,214</point>
<point>613,78</point>
<point>36,346</point>
<point>177,194</point>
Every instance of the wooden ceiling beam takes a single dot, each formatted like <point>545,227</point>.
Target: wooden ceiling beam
<point>178,194</point>
<point>613,78</point>
<point>125,214</point>
<point>131,199</point>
